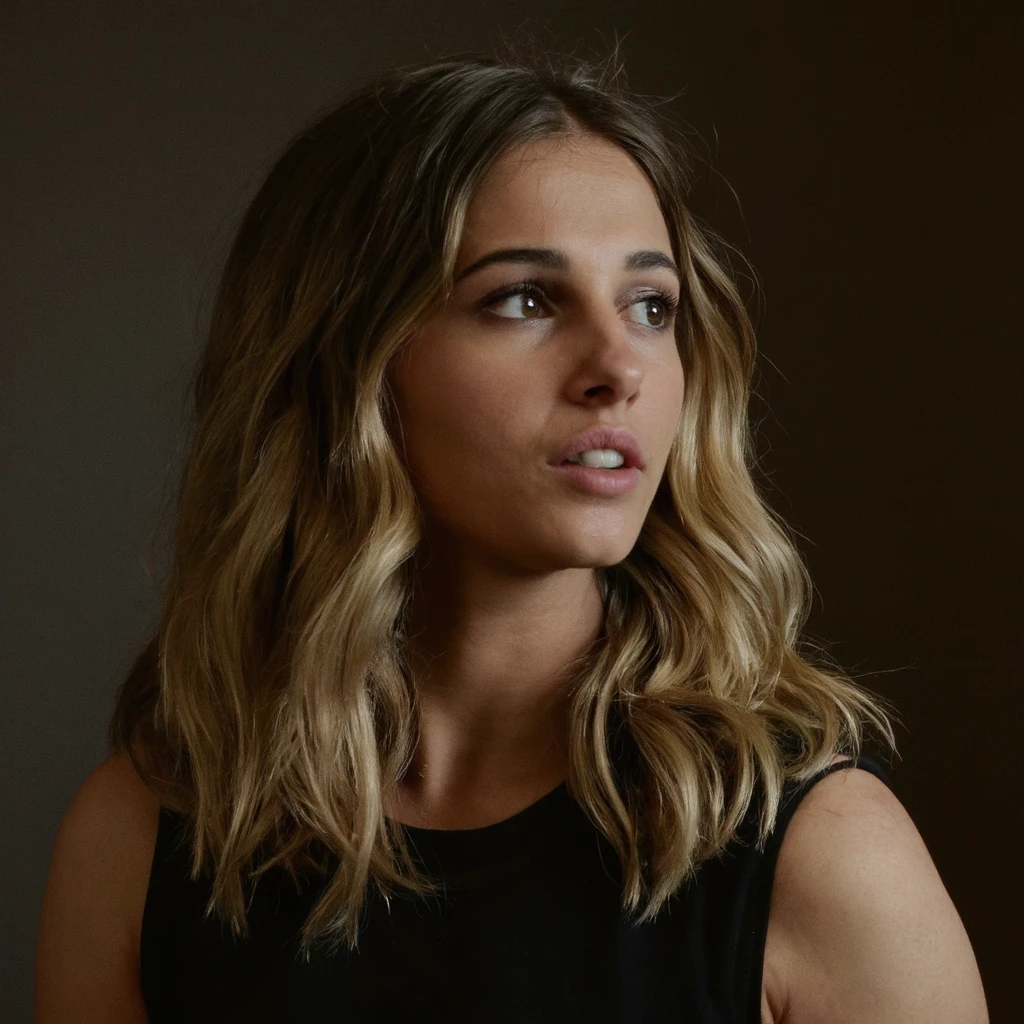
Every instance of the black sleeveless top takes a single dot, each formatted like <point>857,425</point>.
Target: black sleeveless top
<point>530,929</point>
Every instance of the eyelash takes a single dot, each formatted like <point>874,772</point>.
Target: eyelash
<point>530,286</point>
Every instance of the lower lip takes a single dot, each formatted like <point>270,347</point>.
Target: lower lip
<point>607,482</point>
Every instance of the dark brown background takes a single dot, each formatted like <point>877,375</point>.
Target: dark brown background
<point>875,161</point>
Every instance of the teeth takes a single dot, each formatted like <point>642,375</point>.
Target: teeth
<point>599,458</point>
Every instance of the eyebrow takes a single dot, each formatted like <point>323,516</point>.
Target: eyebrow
<point>552,259</point>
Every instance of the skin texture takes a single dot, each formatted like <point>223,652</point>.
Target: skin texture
<point>861,928</point>
<point>486,396</point>
<point>87,954</point>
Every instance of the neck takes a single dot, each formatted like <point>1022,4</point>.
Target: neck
<point>491,662</point>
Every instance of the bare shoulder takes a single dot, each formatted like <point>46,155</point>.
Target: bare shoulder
<point>87,949</point>
<point>861,926</point>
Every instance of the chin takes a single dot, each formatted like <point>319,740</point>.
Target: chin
<point>597,554</point>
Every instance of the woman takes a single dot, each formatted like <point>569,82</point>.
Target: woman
<point>478,691</point>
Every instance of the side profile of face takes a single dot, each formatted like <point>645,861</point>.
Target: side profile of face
<point>498,381</point>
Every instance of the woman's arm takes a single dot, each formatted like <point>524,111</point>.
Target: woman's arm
<point>862,929</point>
<point>87,955</point>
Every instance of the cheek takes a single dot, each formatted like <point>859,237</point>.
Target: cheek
<point>673,387</point>
<point>460,431</point>
<point>680,391</point>
<point>664,387</point>
<point>463,419</point>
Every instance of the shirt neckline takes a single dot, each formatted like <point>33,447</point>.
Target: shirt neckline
<point>472,856</point>
<point>506,824</point>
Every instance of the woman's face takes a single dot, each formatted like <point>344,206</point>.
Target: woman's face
<point>496,383</point>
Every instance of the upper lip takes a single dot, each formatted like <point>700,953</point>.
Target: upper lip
<point>603,436</point>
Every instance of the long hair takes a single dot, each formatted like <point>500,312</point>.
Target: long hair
<point>273,705</point>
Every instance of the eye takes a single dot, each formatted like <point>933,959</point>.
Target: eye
<point>658,309</point>
<point>523,301</point>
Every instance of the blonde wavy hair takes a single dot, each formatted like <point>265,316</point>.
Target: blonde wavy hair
<point>274,703</point>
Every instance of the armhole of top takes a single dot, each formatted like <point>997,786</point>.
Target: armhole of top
<point>759,907</point>
<point>164,917</point>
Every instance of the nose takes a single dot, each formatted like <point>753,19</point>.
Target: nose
<point>605,353</point>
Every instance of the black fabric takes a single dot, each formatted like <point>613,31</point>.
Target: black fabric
<point>530,929</point>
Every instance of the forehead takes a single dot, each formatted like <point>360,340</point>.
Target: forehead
<point>559,191</point>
